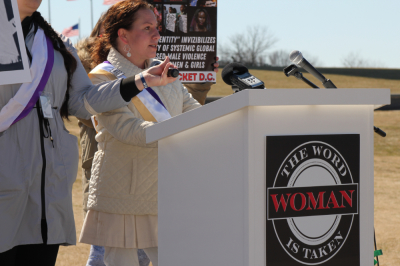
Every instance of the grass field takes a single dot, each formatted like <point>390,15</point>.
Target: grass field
<point>387,168</point>
<point>276,79</point>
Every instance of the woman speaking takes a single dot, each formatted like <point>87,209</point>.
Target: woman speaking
<point>122,201</point>
<point>38,157</point>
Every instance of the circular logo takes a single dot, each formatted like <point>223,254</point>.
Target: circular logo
<point>312,203</point>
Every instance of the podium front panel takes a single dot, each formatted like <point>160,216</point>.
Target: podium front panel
<point>348,128</point>
<point>213,187</point>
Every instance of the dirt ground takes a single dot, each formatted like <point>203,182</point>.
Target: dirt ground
<point>387,187</point>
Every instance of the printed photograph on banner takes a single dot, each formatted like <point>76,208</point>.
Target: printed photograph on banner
<point>201,21</point>
<point>14,65</point>
<point>188,38</point>
<point>203,3</point>
<point>176,18</point>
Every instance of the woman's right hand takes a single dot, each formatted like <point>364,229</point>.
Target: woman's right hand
<point>156,75</point>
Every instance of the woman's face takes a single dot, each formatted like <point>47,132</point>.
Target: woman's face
<point>182,8</point>
<point>201,18</point>
<point>27,7</point>
<point>170,10</point>
<point>143,37</point>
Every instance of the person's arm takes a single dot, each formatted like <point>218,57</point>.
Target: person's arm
<point>123,125</point>
<point>86,99</point>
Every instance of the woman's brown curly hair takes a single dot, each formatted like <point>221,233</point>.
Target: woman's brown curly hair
<point>120,16</point>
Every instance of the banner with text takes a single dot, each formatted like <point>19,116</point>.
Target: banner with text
<point>188,30</point>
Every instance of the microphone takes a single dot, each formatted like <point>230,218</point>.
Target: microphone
<point>297,58</point>
<point>379,131</point>
<point>293,70</point>
<point>237,74</point>
<point>172,72</point>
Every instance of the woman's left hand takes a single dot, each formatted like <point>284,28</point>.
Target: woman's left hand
<point>216,64</point>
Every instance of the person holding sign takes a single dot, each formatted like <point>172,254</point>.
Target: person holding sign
<point>122,201</point>
<point>38,157</point>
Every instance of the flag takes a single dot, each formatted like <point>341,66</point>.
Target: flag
<point>71,31</point>
<point>110,2</point>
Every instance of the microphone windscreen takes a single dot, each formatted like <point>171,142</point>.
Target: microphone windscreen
<point>228,71</point>
<point>173,72</point>
<point>296,57</point>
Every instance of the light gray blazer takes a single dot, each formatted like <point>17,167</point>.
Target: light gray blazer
<point>21,160</point>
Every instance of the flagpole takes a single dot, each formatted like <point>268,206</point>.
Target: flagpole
<point>91,9</point>
<point>49,13</point>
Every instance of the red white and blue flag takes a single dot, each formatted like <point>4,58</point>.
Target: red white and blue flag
<point>71,31</point>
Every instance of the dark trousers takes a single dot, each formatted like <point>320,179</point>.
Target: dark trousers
<point>32,255</point>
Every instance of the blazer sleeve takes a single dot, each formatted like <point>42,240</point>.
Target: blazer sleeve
<point>84,97</point>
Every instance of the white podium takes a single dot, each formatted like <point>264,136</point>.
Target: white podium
<point>269,177</point>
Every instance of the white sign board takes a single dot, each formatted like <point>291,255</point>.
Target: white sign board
<point>183,23</point>
<point>171,19</point>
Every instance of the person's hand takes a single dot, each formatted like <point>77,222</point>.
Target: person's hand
<point>216,64</point>
<point>156,75</point>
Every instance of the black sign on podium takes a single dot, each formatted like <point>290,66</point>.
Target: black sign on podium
<point>313,200</point>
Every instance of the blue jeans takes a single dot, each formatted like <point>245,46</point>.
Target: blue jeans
<point>96,257</point>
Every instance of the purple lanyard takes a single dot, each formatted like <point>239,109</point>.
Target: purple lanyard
<point>42,83</point>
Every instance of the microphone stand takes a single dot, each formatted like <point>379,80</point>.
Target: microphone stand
<point>293,70</point>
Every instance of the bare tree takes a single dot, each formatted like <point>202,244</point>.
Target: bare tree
<point>279,58</point>
<point>354,60</point>
<point>314,60</point>
<point>250,47</point>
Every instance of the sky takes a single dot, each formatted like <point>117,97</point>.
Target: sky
<point>328,30</point>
